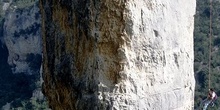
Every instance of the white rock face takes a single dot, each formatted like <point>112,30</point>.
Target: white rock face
<point>6,4</point>
<point>157,71</point>
<point>159,67</point>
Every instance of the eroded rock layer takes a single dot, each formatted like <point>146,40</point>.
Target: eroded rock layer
<point>120,54</point>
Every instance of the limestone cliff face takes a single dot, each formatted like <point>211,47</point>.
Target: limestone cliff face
<point>120,54</point>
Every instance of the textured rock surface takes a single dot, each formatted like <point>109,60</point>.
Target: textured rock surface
<point>21,34</point>
<point>103,54</point>
<point>21,52</point>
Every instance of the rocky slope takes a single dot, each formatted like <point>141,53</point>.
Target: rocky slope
<point>118,54</point>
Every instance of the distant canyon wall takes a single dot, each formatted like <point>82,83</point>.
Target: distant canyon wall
<point>21,54</point>
<point>21,31</point>
<point>118,55</point>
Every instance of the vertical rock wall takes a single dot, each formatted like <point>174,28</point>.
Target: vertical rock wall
<point>120,54</point>
<point>160,60</point>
